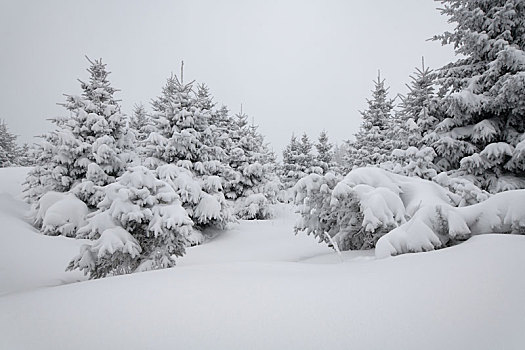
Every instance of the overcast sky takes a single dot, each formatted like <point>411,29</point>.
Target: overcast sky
<point>296,66</point>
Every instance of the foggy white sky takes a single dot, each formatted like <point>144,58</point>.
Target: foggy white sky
<point>296,66</point>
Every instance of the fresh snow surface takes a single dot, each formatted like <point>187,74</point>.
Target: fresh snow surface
<point>258,286</point>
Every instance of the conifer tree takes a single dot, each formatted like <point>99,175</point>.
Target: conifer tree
<point>482,134</point>
<point>415,117</point>
<point>182,135</point>
<point>306,159</point>
<point>8,147</point>
<point>324,152</point>
<point>256,185</point>
<point>89,148</point>
<point>291,169</point>
<point>140,225</point>
<point>372,145</point>
<point>139,122</point>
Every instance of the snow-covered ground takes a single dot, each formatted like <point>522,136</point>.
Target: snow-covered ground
<point>258,286</point>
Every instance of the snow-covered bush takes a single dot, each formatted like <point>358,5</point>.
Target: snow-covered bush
<point>140,225</point>
<point>254,206</point>
<point>434,226</point>
<point>415,214</point>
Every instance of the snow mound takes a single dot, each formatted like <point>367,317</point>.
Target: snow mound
<point>61,214</point>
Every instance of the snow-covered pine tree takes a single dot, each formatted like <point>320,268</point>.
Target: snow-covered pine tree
<point>325,154</point>
<point>415,116</point>
<point>182,135</point>
<point>372,146</point>
<point>483,134</point>
<point>291,169</point>
<point>306,158</point>
<point>89,148</point>
<point>8,147</point>
<point>24,156</point>
<point>410,124</point>
<point>140,225</point>
<point>139,122</point>
<point>256,185</point>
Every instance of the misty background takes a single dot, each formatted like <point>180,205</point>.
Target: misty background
<point>296,66</point>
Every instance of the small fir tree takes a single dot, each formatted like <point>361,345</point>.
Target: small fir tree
<point>324,152</point>
<point>9,151</point>
<point>140,225</point>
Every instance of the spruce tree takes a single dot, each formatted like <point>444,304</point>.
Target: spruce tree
<point>482,134</point>
<point>415,117</point>
<point>305,159</point>
<point>182,135</point>
<point>324,148</point>
<point>9,151</point>
<point>372,146</point>
<point>139,122</point>
<point>255,185</point>
<point>90,147</point>
<point>140,225</point>
<point>291,169</point>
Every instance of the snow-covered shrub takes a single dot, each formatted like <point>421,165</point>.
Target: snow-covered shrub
<point>434,226</point>
<point>415,214</point>
<point>254,206</point>
<point>330,207</point>
<point>466,193</point>
<point>140,225</point>
<point>60,214</point>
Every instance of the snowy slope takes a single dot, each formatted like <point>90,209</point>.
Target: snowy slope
<point>258,286</point>
<point>28,260</point>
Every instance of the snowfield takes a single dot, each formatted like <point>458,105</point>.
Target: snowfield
<point>258,286</point>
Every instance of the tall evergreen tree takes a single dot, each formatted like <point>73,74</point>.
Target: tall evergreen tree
<point>88,148</point>
<point>415,117</point>
<point>182,135</point>
<point>482,135</point>
<point>372,145</point>
<point>255,185</point>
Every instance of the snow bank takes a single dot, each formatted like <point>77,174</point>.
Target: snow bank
<point>465,297</point>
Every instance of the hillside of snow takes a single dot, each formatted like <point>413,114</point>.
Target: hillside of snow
<point>259,286</point>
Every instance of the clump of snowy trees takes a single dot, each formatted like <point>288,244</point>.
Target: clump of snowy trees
<point>11,154</point>
<point>300,159</point>
<point>145,187</point>
<point>446,163</point>
<point>457,137</point>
